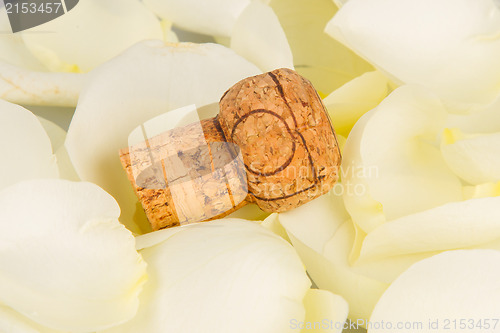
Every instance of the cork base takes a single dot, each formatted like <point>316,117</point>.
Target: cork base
<point>186,175</point>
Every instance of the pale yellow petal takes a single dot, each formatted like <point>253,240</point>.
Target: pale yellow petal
<point>358,96</point>
<point>24,146</point>
<point>454,225</point>
<point>474,158</point>
<point>454,289</point>
<point>67,263</point>
<point>448,46</point>
<point>205,17</point>
<point>400,164</point>
<point>91,33</point>
<point>325,312</point>
<point>257,35</point>
<point>218,276</point>
<point>321,59</point>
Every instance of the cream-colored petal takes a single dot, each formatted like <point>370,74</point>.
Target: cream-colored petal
<point>12,48</point>
<point>325,213</point>
<point>148,80</point>
<point>67,263</point>
<point>482,191</point>
<point>22,86</point>
<point>400,164</point>
<point>272,223</point>
<point>56,134</point>
<point>91,33</point>
<point>258,36</point>
<point>452,288</point>
<point>321,59</point>
<point>205,17</point>
<point>348,103</point>
<point>24,146</point>
<point>249,212</point>
<point>474,158</point>
<point>220,276</point>
<point>13,322</point>
<point>324,240</point>
<point>449,46</point>
<point>331,271</point>
<point>454,225</point>
<point>365,211</point>
<point>57,137</point>
<point>486,120</point>
<point>325,312</point>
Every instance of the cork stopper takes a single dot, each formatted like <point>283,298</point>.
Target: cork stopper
<point>272,143</point>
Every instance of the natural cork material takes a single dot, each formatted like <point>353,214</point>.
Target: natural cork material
<point>272,143</point>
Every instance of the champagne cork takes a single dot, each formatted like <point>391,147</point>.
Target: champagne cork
<point>272,144</point>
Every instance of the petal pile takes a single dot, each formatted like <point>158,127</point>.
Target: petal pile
<point>67,263</point>
<point>24,146</point>
<point>456,290</point>
<point>222,275</point>
<point>392,159</point>
<point>449,46</point>
<point>91,33</point>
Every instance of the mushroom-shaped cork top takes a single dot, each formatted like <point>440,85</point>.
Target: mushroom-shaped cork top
<point>272,143</point>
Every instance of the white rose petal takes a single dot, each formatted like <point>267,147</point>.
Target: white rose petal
<point>221,276</point>
<point>486,120</point>
<point>206,17</point>
<point>258,36</point>
<point>367,212</point>
<point>56,134</point>
<point>57,137</point>
<point>13,322</point>
<point>325,213</point>
<point>474,158</point>
<point>67,263</point>
<point>482,190</point>
<point>325,241</point>
<point>19,85</point>
<point>91,33</point>
<point>456,285</point>
<point>325,308</point>
<point>12,48</point>
<point>394,155</point>
<point>348,103</point>
<point>449,46</point>
<point>324,61</point>
<point>454,225</point>
<point>148,80</point>
<point>24,146</point>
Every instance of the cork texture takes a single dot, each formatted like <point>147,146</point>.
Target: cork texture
<point>186,175</point>
<point>285,134</point>
<point>272,143</point>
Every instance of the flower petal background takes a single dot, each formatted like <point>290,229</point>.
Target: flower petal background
<point>24,146</point>
<point>13,322</point>
<point>223,276</point>
<point>69,43</point>
<point>450,286</point>
<point>321,59</point>
<point>206,17</point>
<point>148,80</point>
<point>324,239</point>
<point>392,152</point>
<point>67,263</point>
<point>355,98</point>
<point>257,35</point>
<point>448,46</point>
<point>475,158</point>
<point>19,85</point>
